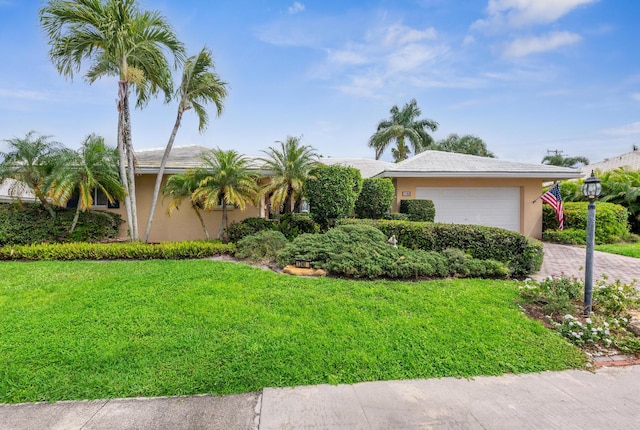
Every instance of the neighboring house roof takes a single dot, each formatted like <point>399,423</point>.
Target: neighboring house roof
<point>630,160</point>
<point>368,167</point>
<point>451,164</point>
<point>12,190</point>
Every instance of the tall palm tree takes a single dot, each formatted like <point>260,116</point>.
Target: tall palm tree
<point>200,85</point>
<point>180,187</point>
<point>30,161</point>
<point>559,160</point>
<point>290,166</point>
<point>226,181</point>
<point>403,125</point>
<point>117,39</point>
<point>90,168</point>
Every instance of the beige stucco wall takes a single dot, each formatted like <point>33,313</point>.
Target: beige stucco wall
<point>530,189</point>
<point>182,224</point>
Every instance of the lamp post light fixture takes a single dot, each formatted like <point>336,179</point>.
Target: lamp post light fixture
<point>591,190</point>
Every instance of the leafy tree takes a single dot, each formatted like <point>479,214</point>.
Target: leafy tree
<point>375,199</point>
<point>226,180</point>
<point>200,85</point>
<point>403,125</point>
<point>289,166</point>
<point>92,167</point>
<point>467,144</point>
<point>332,193</point>
<point>30,161</point>
<point>117,39</point>
<point>558,159</point>
<point>180,187</point>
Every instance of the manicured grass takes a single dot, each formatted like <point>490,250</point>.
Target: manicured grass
<point>86,330</point>
<point>628,249</point>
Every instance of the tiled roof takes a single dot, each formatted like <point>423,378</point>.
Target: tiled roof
<point>367,166</point>
<point>450,164</point>
<point>180,159</point>
<point>630,160</point>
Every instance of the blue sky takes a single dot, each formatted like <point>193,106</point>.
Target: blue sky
<point>526,76</point>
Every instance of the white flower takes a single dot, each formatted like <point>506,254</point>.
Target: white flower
<point>569,317</point>
<point>588,320</point>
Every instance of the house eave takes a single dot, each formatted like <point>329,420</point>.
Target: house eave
<point>448,174</point>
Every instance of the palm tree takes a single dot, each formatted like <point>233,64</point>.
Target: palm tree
<point>117,39</point>
<point>200,85</point>
<point>92,167</point>
<point>30,161</point>
<point>559,160</point>
<point>290,166</point>
<point>180,187</point>
<point>226,181</point>
<point>403,124</point>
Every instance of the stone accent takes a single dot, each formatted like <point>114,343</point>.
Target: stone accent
<point>298,271</point>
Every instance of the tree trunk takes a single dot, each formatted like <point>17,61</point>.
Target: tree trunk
<point>45,203</point>
<point>122,154</point>
<point>131,174</point>
<point>204,226</point>
<point>75,219</point>
<point>223,223</point>
<point>156,188</point>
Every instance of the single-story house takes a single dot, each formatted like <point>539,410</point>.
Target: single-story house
<point>12,190</point>
<point>630,160</point>
<point>464,188</point>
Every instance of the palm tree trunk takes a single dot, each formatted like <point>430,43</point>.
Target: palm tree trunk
<point>156,188</point>
<point>223,223</point>
<point>122,154</point>
<point>131,174</point>
<point>75,219</point>
<point>204,226</point>
<point>45,203</point>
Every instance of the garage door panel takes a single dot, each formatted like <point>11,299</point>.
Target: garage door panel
<point>492,206</point>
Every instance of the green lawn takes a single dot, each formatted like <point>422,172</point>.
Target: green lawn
<point>628,249</point>
<point>86,330</point>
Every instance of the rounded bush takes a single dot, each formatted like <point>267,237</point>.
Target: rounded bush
<point>263,245</point>
<point>611,220</point>
<point>247,227</point>
<point>375,199</point>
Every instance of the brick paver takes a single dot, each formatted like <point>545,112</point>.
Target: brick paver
<point>570,260</point>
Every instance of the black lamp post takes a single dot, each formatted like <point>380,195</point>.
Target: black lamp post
<point>591,190</point>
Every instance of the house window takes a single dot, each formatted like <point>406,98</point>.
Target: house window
<point>100,201</point>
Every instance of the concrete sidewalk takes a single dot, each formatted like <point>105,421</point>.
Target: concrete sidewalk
<point>606,399</point>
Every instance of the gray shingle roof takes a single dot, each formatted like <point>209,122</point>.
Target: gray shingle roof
<point>180,159</point>
<point>630,160</point>
<point>368,167</point>
<point>450,164</point>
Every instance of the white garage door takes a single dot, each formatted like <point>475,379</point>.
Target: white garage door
<point>496,207</point>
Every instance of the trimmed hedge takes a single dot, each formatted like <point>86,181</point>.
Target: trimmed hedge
<point>261,246</point>
<point>291,225</point>
<point>332,192</point>
<point>418,209</point>
<point>568,236</point>
<point>611,220</point>
<point>522,254</point>
<point>248,227</point>
<point>115,251</point>
<point>361,251</point>
<point>375,199</point>
<point>31,223</point>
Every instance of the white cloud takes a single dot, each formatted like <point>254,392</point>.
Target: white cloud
<point>517,13</point>
<point>636,97</point>
<point>625,130</point>
<point>296,7</point>
<point>346,57</point>
<point>397,35</point>
<point>22,94</point>
<point>548,42</point>
<point>468,40</point>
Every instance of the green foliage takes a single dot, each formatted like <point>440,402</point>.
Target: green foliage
<point>332,193</point>
<point>294,224</point>
<point>261,246</point>
<point>115,251</point>
<point>568,236</point>
<point>418,209</point>
<point>375,199</point>
<point>522,254</point>
<point>397,216</point>
<point>614,299</point>
<point>556,295</point>
<point>558,159</point>
<point>611,220</point>
<point>361,251</point>
<point>467,144</point>
<point>585,333</point>
<point>95,330</point>
<point>628,249</point>
<point>25,224</point>
<point>247,227</point>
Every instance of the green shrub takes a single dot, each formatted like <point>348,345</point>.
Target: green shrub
<point>463,265</point>
<point>115,251</point>
<point>522,254</point>
<point>611,220</point>
<point>332,193</point>
<point>375,199</point>
<point>31,223</point>
<point>568,236</point>
<point>397,216</point>
<point>295,224</point>
<point>556,295</point>
<point>247,227</point>
<point>261,246</point>
<point>614,299</point>
<point>418,209</point>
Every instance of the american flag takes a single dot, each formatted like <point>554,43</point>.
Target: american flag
<point>554,199</point>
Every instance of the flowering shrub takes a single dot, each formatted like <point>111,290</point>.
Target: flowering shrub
<point>614,299</point>
<point>556,295</point>
<point>580,334</point>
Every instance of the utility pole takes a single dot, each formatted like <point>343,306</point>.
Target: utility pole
<point>555,152</point>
